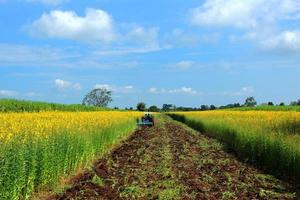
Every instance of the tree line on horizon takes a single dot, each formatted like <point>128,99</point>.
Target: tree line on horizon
<point>249,102</point>
<point>99,98</point>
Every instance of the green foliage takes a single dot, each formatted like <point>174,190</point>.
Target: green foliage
<point>250,102</point>
<point>168,107</point>
<point>12,105</point>
<point>141,106</point>
<point>99,97</point>
<point>153,109</point>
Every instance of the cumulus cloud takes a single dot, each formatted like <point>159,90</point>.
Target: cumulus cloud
<point>182,90</point>
<point>64,85</point>
<point>96,25</point>
<point>244,14</point>
<point>116,89</point>
<point>285,41</point>
<point>48,2</point>
<point>260,20</point>
<point>8,93</point>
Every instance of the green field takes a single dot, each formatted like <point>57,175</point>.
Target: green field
<point>12,105</point>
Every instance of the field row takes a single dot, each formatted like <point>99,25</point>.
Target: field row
<point>37,149</point>
<point>269,139</point>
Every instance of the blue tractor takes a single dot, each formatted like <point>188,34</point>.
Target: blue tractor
<point>146,120</point>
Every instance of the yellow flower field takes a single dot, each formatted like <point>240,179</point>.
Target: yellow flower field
<point>268,138</point>
<point>36,149</point>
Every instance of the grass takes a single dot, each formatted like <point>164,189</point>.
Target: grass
<point>265,138</point>
<point>12,105</point>
<point>267,108</point>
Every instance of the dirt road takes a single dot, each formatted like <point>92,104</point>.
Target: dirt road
<point>171,161</point>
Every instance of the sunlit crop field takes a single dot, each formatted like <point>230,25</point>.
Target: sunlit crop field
<point>36,149</point>
<point>268,138</point>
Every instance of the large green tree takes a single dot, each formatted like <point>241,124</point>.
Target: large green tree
<point>99,97</point>
<point>153,109</point>
<point>250,102</point>
<point>141,106</point>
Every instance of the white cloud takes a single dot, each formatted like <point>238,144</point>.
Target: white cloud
<point>45,56</point>
<point>285,41</point>
<point>261,21</point>
<point>131,50</point>
<point>117,89</point>
<point>96,25</point>
<point>8,93</point>
<point>244,14</point>
<point>182,90</point>
<point>22,55</point>
<point>247,90</point>
<point>63,85</point>
<point>142,36</point>
<point>184,65</point>
<point>47,2</point>
<point>153,90</point>
<point>32,94</point>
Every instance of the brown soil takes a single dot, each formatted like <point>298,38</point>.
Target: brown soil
<point>171,161</point>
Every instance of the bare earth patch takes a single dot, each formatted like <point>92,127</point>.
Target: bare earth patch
<point>171,161</point>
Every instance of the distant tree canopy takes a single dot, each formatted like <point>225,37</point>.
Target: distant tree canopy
<point>270,103</point>
<point>234,105</point>
<point>295,103</point>
<point>153,109</point>
<point>250,102</point>
<point>213,107</point>
<point>141,106</point>
<point>205,107</point>
<point>168,107</point>
<point>282,104</point>
<point>99,97</point>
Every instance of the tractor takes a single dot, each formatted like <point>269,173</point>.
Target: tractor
<point>147,120</point>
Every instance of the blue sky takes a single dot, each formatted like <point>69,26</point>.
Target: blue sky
<point>186,53</point>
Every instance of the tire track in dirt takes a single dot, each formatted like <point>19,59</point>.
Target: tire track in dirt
<point>170,161</point>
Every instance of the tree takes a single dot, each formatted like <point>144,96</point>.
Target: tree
<point>153,109</point>
<point>295,103</point>
<point>270,103</point>
<point>213,107</point>
<point>250,102</point>
<point>141,106</point>
<point>99,97</point>
<point>168,107</point>
<point>204,107</point>
<point>282,104</point>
